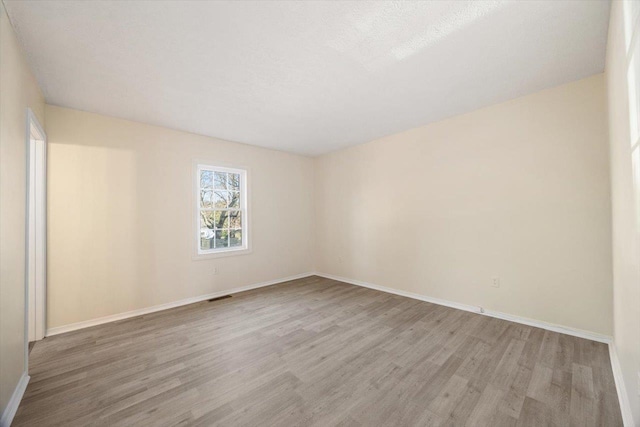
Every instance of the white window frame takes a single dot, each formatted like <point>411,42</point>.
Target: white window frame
<point>244,209</point>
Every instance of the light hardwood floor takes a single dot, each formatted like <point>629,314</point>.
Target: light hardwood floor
<point>318,352</point>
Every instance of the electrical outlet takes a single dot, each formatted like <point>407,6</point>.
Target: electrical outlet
<point>495,282</point>
<point>215,270</point>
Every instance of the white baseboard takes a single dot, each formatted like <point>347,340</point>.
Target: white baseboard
<point>12,407</point>
<point>459,306</point>
<point>625,406</point>
<point>121,316</point>
<point>477,309</point>
<point>580,333</point>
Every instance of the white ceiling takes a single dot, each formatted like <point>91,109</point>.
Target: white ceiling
<point>305,77</point>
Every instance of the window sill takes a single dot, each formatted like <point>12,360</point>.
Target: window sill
<point>213,255</point>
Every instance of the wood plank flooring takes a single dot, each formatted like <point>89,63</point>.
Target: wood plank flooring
<point>318,352</point>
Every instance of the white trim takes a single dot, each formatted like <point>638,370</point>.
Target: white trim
<point>14,402</point>
<point>412,295</point>
<point>32,119</point>
<point>625,406</point>
<point>477,309</point>
<point>142,311</point>
<point>580,333</point>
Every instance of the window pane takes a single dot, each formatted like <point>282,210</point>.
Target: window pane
<point>234,199</point>
<point>220,180</point>
<point>221,219</point>
<point>206,199</point>
<point>222,238</point>
<point>206,232</point>
<point>235,237</point>
<point>234,181</point>
<point>207,220</point>
<point>206,179</point>
<point>205,243</point>
<point>220,199</point>
<point>235,219</point>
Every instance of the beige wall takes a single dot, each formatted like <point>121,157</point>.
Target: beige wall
<point>518,190</point>
<point>18,90</point>
<point>121,218</point>
<point>626,217</point>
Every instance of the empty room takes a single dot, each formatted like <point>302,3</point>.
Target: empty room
<point>320,213</point>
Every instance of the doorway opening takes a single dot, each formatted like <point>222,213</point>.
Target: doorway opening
<point>36,229</point>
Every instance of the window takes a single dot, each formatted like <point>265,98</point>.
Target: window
<point>222,209</point>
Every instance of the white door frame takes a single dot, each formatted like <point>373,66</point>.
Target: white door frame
<point>36,238</point>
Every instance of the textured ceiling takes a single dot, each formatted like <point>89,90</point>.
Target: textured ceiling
<point>305,77</point>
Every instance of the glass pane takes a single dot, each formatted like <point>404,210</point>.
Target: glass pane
<point>220,199</point>
<point>221,219</point>
<point>205,243</point>
<point>206,179</point>
<point>222,238</point>
<point>207,220</point>
<point>206,199</point>
<point>206,232</point>
<point>235,237</point>
<point>220,180</point>
<point>234,199</point>
<point>235,219</point>
<point>234,181</point>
